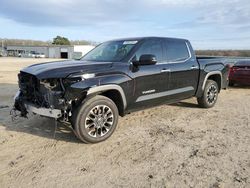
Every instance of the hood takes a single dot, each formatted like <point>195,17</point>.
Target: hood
<point>61,69</point>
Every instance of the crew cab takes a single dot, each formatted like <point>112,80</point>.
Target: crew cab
<point>116,78</point>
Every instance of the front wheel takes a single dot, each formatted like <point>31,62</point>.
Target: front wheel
<point>95,120</point>
<point>210,95</point>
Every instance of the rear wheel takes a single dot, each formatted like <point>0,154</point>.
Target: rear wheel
<point>231,83</point>
<point>210,95</point>
<point>95,120</point>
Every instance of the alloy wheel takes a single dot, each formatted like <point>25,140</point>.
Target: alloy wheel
<point>99,121</point>
<point>212,94</point>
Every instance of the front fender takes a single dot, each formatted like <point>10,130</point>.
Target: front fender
<point>121,83</point>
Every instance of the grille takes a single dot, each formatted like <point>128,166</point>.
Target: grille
<point>27,81</point>
<point>30,88</point>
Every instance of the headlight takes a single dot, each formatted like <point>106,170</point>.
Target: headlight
<point>77,77</point>
<point>49,83</point>
<point>82,76</point>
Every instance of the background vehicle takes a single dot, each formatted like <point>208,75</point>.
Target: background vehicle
<point>116,78</point>
<point>36,55</point>
<point>240,73</point>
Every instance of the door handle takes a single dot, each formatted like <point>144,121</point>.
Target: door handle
<point>165,70</point>
<point>194,67</point>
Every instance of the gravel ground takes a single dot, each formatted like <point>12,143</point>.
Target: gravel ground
<point>179,145</point>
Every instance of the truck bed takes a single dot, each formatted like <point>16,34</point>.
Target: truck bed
<point>226,60</point>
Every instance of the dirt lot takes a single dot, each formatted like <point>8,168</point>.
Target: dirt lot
<point>176,145</point>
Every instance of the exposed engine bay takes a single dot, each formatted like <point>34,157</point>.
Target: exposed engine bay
<point>46,97</point>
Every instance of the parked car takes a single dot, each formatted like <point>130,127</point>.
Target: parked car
<point>36,55</point>
<point>116,78</point>
<point>240,73</point>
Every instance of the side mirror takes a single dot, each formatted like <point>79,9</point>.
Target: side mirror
<point>146,59</point>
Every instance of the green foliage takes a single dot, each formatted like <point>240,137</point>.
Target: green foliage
<point>61,41</point>
<point>80,42</point>
<point>23,42</point>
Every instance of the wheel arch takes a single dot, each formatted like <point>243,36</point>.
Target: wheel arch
<point>113,92</point>
<point>215,76</point>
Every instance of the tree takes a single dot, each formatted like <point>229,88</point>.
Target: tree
<point>61,41</point>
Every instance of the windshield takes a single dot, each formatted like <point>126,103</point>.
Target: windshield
<point>110,51</point>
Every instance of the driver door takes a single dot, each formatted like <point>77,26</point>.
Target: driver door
<point>150,80</point>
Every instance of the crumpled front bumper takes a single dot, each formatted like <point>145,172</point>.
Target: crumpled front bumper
<point>53,113</point>
<point>25,107</point>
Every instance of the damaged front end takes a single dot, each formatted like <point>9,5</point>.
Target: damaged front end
<point>45,97</point>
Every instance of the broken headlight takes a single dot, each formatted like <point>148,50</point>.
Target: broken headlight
<point>77,77</point>
<point>50,83</point>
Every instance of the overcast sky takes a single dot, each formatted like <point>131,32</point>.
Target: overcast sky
<point>220,24</point>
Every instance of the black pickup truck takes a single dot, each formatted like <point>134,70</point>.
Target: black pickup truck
<point>116,78</point>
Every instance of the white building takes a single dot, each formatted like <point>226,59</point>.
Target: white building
<point>66,52</point>
<point>80,50</point>
<point>2,51</point>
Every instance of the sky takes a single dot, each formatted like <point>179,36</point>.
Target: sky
<point>220,24</point>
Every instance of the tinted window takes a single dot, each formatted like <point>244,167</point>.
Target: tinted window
<point>153,47</point>
<point>177,51</point>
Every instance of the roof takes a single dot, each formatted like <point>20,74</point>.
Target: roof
<point>243,63</point>
<point>143,38</point>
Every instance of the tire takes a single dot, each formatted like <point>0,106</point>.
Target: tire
<point>95,120</point>
<point>231,84</point>
<point>210,95</point>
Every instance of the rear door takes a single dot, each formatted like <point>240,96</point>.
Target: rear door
<point>184,69</point>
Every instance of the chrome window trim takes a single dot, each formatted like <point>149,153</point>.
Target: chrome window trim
<point>181,61</point>
<point>171,62</point>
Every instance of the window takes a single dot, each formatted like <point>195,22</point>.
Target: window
<point>153,47</point>
<point>110,51</point>
<point>177,51</point>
